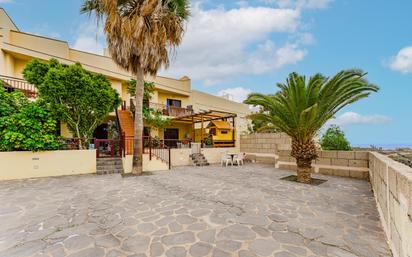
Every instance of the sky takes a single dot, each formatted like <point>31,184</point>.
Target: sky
<point>232,48</point>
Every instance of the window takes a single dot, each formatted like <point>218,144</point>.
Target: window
<point>174,102</point>
<point>224,132</point>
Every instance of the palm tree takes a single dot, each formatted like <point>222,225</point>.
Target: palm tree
<point>139,35</point>
<point>302,107</point>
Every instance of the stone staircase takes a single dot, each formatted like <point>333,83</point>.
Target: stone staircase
<point>198,159</point>
<point>109,166</point>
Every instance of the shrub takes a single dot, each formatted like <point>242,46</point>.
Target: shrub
<point>25,125</point>
<point>334,139</point>
<point>80,98</point>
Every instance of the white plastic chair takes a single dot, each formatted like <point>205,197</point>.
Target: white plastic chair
<point>239,159</point>
<point>226,159</point>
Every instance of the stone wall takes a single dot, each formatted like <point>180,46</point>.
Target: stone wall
<point>268,143</point>
<point>338,163</point>
<point>392,185</point>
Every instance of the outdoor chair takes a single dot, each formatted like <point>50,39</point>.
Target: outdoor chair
<point>239,158</point>
<point>226,159</point>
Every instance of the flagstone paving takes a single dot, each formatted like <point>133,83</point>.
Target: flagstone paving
<point>205,211</point>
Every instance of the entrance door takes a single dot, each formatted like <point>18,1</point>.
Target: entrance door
<point>171,136</point>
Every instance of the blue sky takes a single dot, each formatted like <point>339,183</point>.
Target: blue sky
<point>236,47</point>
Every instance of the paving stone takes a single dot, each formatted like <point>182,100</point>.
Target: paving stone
<point>177,251</point>
<point>245,253</point>
<point>175,227</point>
<point>146,228</point>
<point>200,249</point>
<point>197,227</point>
<point>185,219</point>
<point>156,249</point>
<point>207,236</point>
<point>288,238</point>
<point>264,247</point>
<point>296,250</point>
<point>107,241</point>
<point>136,244</point>
<point>237,232</point>
<point>89,252</point>
<point>220,253</point>
<point>229,245</point>
<point>77,242</point>
<point>263,232</point>
<point>114,253</point>
<point>284,254</point>
<point>24,250</point>
<point>337,252</point>
<point>181,238</point>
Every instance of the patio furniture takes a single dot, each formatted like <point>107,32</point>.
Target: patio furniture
<point>238,159</point>
<point>226,159</point>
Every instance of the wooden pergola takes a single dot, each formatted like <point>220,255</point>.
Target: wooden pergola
<point>206,116</point>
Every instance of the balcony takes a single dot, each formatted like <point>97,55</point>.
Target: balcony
<point>171,111</point>
<point>11,84</point>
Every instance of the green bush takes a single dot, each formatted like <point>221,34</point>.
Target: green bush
<point>80,98</point>
<point>334,139</point>
<point>25,125</point>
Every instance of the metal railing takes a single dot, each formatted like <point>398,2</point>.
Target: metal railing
<point>157,148</point>
<point>12,83</point>
<point>172,111</point>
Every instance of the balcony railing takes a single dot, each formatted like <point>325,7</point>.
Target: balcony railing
<point>172,111</point>
<point>11,83</point>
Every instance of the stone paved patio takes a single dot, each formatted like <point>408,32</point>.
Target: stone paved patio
<point>208,211</point>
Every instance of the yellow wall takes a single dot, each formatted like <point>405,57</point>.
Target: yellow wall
<point>163,96</point>
<point>223,137</point>
<point>183,129</point>
<point>20,165</point>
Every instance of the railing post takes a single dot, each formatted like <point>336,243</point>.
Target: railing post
<point>170,159</point>
<point>96,145</point>
<point>150,148</point>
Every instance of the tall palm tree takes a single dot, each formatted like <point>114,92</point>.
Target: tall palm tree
<point>139,35</point>
<point>302,107</point>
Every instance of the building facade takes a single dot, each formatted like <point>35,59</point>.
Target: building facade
<point>175,98</point>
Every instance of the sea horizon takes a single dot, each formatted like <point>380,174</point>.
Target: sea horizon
<point>384,146</point>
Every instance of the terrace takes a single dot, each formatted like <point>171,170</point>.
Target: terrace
<point>207,211</point>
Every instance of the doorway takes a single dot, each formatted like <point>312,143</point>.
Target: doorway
<point>170,137</point>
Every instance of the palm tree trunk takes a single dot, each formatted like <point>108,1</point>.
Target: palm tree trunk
<point>304,153</point>
<point>138,125</point>
<point>304,170</point>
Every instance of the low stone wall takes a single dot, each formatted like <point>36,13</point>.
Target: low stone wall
<point>338,163</point>
<point>268,143</point>
<point>21,165</point>
<point>392,185</point>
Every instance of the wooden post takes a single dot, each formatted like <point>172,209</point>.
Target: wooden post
<point>201,131</point>
<point>193,130</point>
<point>233,130</point>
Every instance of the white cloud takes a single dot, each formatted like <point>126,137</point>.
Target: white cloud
<point>353,118</point>
<point>90,38</point>
<point>237,94</point>
<point>402,62</point>
<point>300,4</point>
<point>5,1</point>
<point>220,43</point>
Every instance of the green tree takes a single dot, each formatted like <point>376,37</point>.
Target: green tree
<point>25,125</point>
<point>334,139</point>
<point>151,116</point>
<point>303,106</point>
<point>78,97</point>
<point>139,36</point>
